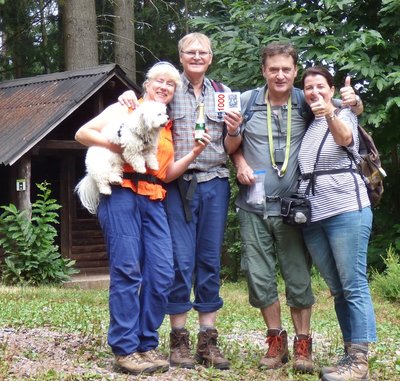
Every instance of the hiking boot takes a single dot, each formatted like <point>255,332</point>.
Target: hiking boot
<point>355,368</point>
<point>208,353</point>
<point>302,351</point>
<point>278,353</point>
<point>180,349</point>
<point>157,359</point>
<point>134,364</point>
<point>342,361</point>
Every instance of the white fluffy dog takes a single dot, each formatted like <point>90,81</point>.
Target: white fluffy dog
<point>138,136</point>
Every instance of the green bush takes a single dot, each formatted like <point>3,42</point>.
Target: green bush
<point>385,233</point>
<point>387,284</point>
<point>31,256</point>
<point>232,247</point>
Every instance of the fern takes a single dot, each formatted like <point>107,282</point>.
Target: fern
<point>31,255</point>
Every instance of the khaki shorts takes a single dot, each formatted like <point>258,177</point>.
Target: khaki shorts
<point>266,244</point>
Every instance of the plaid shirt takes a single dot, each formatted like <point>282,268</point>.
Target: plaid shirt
<point>184,109</point>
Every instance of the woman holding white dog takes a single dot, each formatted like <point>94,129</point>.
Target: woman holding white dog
<point>137,235</point>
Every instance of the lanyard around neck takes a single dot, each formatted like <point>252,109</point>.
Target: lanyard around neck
<point>281,171</point>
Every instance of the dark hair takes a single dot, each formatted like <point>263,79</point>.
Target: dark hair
<point>318,70</point>
<point>275,48</point>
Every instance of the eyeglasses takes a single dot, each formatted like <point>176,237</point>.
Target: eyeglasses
<point>193,53</point>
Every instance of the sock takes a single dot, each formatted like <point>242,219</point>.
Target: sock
<point>204,328</point>
<point>274,331</point>
<point>177,328</point>
<point>359,347</point>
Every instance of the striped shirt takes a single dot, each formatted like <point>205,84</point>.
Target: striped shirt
<point>334,193</point>
<point>184,110</point>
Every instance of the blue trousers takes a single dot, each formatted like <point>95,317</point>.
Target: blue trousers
<point>141,268</point>
<point>197,246</point>
<point>338,246</point>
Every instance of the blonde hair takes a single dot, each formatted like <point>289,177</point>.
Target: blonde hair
<point>194,37</point>
<point>163,68</point>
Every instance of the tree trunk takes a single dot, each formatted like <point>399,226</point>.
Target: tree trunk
<point>186,17</point>
<point>80,34</point>
<point>24,176</point>
<point>45,39</point>
<point>124,29</point>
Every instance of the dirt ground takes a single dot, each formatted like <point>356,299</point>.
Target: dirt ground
<point>31,352</point>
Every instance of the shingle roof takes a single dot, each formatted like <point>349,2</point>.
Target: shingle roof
<point>30,108</point>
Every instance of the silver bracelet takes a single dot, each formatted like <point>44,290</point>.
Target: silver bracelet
<point>331,117</point>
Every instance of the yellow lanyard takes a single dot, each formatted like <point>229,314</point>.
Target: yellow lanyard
<point>281,171</point>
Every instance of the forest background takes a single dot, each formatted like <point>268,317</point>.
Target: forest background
<point>360,38</point>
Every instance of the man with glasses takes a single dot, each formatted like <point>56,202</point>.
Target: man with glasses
<point>197,206</point>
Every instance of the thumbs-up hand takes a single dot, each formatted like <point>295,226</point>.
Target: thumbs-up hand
<point>319,108</point>
<point>347,93</point>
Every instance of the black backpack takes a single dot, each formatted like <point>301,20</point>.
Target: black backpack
<point>370,167</point>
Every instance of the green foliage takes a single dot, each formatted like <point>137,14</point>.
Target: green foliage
<point>30,34</point>
<point>379,243</point>
<point>231,252</point>
<point>387,284</point>
<point>31,256</point>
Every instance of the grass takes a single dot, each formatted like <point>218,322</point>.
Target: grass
<point>79,318</point>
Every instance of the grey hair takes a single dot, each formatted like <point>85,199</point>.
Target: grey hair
<point>163,68</point>
<point>194,37</point>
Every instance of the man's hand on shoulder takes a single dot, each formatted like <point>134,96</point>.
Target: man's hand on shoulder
<point>128,98</point>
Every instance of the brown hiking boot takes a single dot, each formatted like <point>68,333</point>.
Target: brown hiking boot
<point>302,350</point>
<point>180,349</point>
<point>134,364</point>
<point>208,353</point>
<point>355,368</point>
<point>157,359</point>
<point>278,353</point>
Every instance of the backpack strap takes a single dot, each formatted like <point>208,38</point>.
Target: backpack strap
<point>303,108</point>
<point>249,110</point>
<point>217,86</point>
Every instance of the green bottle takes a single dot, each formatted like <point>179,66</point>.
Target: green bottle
<point>200,124</point>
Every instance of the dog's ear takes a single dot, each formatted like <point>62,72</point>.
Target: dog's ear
<point>141,122</point>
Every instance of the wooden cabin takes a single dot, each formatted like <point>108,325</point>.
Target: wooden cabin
<point>38,120</point>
